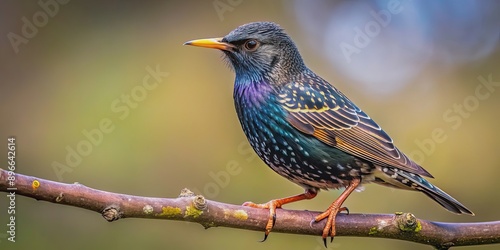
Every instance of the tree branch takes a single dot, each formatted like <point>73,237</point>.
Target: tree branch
<point>195,208</point>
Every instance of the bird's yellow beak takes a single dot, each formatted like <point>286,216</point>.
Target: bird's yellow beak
<point>213,43</point>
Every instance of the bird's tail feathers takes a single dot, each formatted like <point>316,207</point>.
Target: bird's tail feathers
<point>402,179</point>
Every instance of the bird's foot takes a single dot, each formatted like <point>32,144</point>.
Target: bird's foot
<point>330,214</point>
<point>336,207</point>
<point>272,205</point>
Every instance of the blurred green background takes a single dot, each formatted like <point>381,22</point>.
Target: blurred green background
<point>73,72</point>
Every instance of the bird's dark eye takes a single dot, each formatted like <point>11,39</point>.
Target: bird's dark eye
<point>251,45</point>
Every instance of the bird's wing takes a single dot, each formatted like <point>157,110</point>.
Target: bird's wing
<point>317,108</point>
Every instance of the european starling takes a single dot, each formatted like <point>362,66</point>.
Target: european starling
<point>308,131</point>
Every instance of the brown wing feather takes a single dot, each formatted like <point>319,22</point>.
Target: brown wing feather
<point>324,112</point>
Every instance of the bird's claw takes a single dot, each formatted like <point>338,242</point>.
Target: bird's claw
<point>269,230</point>
<point>329,229</point>
<point>324,241</point>
<point>345,209</point>
<point>272,206</point>
<point>274,219</point>
<point>265,236</point>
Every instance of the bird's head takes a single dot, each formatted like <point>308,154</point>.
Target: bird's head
<point>260,50</point>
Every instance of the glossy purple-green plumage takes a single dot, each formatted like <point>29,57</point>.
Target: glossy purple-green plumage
<point>304,128</point>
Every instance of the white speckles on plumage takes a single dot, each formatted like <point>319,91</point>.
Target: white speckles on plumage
<point>275,157</point>
<point>273,86</point>
<point>354,172</point>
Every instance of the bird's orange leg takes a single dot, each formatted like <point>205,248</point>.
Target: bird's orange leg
<point>273,204</point>
<point>334,209</point>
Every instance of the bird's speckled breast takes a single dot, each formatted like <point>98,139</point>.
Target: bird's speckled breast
<point>298,157</point>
